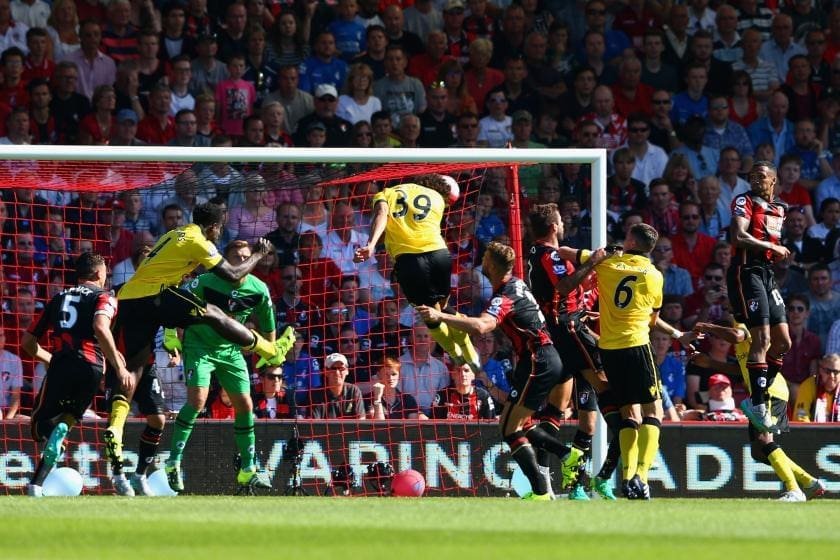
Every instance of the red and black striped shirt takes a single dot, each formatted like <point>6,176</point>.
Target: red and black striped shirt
<point>766,219</point>
<point>545,269</point>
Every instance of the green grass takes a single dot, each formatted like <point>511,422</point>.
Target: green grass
<point>401,529</point>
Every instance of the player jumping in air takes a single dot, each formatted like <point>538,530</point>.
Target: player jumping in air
<point>756,230</point>
<point>410,216</point>
<point>206,353</point>
<point>538,368</point>
<point>151,299</point>
<point>799,485</point>
<point>80,321</point>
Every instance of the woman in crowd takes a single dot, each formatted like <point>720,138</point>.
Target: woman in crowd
<point>358,102</point>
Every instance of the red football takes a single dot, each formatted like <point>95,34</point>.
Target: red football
<point>408,484</point>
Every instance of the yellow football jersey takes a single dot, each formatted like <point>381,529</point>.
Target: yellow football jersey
<point>629,290</point>
<point>414,218</point>
<point>176,254</point>
<point>778,387</point>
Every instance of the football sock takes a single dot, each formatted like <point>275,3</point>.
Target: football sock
<point>462,339</point>
<point>648,445</point>
<point>628,438</point>
<point>149,442</point>
<point>523,454</point>
<point>442,334</point>
<point>611,461</point>
<point>803,478</point>
<point>582,440</point>
<point>781,465</point>
<point>262,346</point>
<point>541,439</point>
<point>243,433</point>
<point>758,381</point>
<point>774,366</point>
<point>550,428</point>
<point>184,423</point>
<point>120,408</point>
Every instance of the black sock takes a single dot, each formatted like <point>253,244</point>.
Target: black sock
<point>149,442</point>
<point>543,456</point>
<point>541,439</point>
<point>41,473</point>
<point>611,461</point>
<point>774,366</point>
<point>613,421</point>
<point>758,381</point>
<point>524,455</point>
<point>582,441</point>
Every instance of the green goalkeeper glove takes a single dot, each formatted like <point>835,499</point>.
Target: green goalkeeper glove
<point>171,342</point>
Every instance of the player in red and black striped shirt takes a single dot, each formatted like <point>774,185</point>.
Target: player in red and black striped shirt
<point>756,232</point>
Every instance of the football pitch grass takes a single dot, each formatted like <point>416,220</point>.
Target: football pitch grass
<point>402,529</point>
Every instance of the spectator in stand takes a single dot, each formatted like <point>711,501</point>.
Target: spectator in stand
<point>358,102</point>
<point>273,116</point>
<point>63,28</point>
<point>656,72</point>
<point>762,72</point>
<point>676,36</point>
<point>174,37</point>
<point>421,374</point>
<point>119,37</point>
<point>510,40</point>
<point>12,32</point>
<point>825,302</point>
<point>781,47</point>
<point>24,267</point>
<point>232,37</point>
<point>661,212</point>
<point>150,69</point>
<point>743,107</point>
<point>342,239</point>
<point>710,302</point>
<point>349,34</point>
<point>593,57</point>
<point>692,101</point>
<point>790,189</point>
<point>220,406</point>
<point>692,249</point>
<point>818,399</point>
<point>38,63</point>
<point>296,102</point>
<point>596,20</point>
<point>495,129</point>
<point>804,250</point>
<point>436,123</point>
<point>727,41</point>
<point>815,45</point>
<point>702,160</point>
<point>235,97</point>
<point>399,92</point>
<point>612,127</point>
<point>623,191</point>
<point>253,132</point>
<point>186,131</point>
<point>207,70</point>
<point>425,66</point>
<point>671,368</point>
<point>259,69</point>
<point>635,19</point>
<point>337,128</point>
<point>459,100</point>
<point>337,399</point>
<point>93,67</point>
<point>815,162</point>
<point>141,247</point>
<point>680,178</point>
<point>774,128</point>
<point>396,32</point>
<point>662,131</point>
<point>631,95</point>
<point>542,76</point>
<point>731,183</point>
<point>462,400</point>
<point>158,126</point>
<point>374,55</point>
<point>546,133</point>
<point>800,362</point>
<point>715,214</point>
<point>198,22</point>
<point>519,93</point>
<point>479,23</point>
<point>41,121</point>
<point>496,366</point>
<point>13,91</point>
<point>829,218</point>
<point>722,132</point>
<point>703,368</point>
<point>11,382</point>
<point>385,401</point>
<point>677,279</point>
<point>275,399</point>
<point>719,73</point>
<point>292,309</point>
<point>409,131</point>
<point>95,128</point>
<point>323,67</point>
<point>321,276</point>
<point>286,237</point>
<point>180,85</point>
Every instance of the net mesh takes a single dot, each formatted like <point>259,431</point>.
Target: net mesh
<point>316,215</point>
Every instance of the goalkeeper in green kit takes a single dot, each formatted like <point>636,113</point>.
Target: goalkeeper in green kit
<point>206,353</point>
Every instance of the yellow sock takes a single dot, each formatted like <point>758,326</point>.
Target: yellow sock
<point>803,478</point>
<point>781,465</point>
<point>462,339</point>
<point>648,446</point>
<point>443,336</point>
<point>119,413</point>
<point>628,438</point>
<point>263,347</point>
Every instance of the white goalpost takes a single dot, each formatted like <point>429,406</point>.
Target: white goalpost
<point>596,158</point>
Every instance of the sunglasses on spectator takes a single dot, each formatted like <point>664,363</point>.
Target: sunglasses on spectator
<point>829,370</point>
<point>797,308</point>
<point>661,101</point>
<point>438,84</point>
<point>711,278</point>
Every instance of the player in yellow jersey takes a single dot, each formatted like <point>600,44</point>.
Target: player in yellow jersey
<point>410,216</point>
<point>630,295</point>
<point>799,485</point>
<point>151,299</point>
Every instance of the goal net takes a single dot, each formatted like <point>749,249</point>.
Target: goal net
<point>315,206</point>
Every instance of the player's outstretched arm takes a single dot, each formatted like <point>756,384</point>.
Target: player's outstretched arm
<point>231,273</point>
<point>730,334</point>
<point>568,283</point>
<point>484,323</point>
<point>377,228</point>
<point>30,345</point>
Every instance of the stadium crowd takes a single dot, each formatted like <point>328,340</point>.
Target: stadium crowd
<point>684,96</point>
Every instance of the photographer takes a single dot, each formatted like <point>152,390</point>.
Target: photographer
<point>711,302</point>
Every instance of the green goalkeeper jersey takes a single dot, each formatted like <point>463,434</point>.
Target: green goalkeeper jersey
<point>248,301</point>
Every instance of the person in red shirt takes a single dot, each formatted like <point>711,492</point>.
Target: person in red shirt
<point>158,127</point>
<point>463,400</point>
<point>37,64</point>
<point>631,95</point>
<point>425,66</point>
<point>321,276</point>
<point>692,249</point>
<point>791,190</point>
<point>13,91</point>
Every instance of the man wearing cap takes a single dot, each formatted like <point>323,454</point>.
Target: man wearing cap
<point>721,402</point>
<point>457,42</point>
<point>337,399</point>
<point>337,129</point>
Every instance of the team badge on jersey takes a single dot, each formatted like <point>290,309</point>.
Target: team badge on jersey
<point>753,305</point>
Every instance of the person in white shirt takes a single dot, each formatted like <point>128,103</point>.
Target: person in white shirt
<point>496,129</point>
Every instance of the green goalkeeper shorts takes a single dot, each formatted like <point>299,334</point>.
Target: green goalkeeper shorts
<point>229,368</point>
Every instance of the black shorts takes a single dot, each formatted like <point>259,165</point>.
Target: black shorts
<point>756,300</point>
<point>425,278</point>
<point>139,319</point>
<point>632,374</point>
<point>148,394</point>
<point>535,376</point>
<point>585,397</point>
<point>779,411</point>
<point>69,387</point>
<point>578,346</point>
